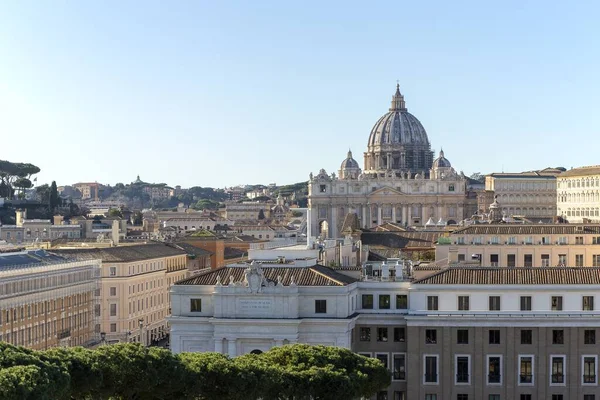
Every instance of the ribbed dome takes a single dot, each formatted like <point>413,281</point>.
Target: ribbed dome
<point>441,161</point>
<point>398,126</point>
<point>349,162</point>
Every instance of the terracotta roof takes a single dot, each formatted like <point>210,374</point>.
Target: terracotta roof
<point>533,229</point>
<point>122,253</point>
<point>316,275</point>
<point>581,171</point>
<point>514,276</point>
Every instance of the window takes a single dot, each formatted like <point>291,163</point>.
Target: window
<point>195,305</point>
<point>463,368</point>
<point>113,310</point>
<point>525,303</point>
<point>556,303</point>
<point>562,260</point>
<point>451,188</point>
<point>589,397</point>
<point>579,260</point>
<point>320,306</point>
<point>545,260</point>
<point>526,370</point>
<point>431,397</point>
<point>113,327</point>
<point>557,397</point>
<point>367,301</point>
<point>494,335</point>
<point>557,369</point>
<point>399,367</point>
<point>578,239</point>
<point>558,336</point>
<point>399,395</point>
<point>494,303</point>
<point>383,357</point>
<point>596,260</point>
<point>365,334</point>
<point>322,188</point>
<point>432,303</point>
<point>384,301</point>
<point>401,301</point>
<point>463,303</point>
<point>399,334</point>
<point>589,336</point>
<point>113,271</point>
<point>494,369</point>
<point>526,336</point>
<point>494,397</point>
<point>113,291</point>
<point>430,336</point>
<point>589,369</point>
<point>430,365</point>
<point>462,397</point>
<point>462,336</point>
<point>528,260</point>
<point>382,334</point>
<point>588,303</point>
<point>525,397</point>
<point>511,261</point>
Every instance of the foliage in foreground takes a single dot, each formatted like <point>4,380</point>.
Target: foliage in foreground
<point>130,371</point>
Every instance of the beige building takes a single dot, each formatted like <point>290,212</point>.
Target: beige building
<point>521,245</point>
<point>579,194</point>
<point>135,289</point>
<point>246,210</point>
<point>401,183</point>
<point>529,194</point>
<point>88,190</point>
<point>48,301</point>
<point>37,230</point>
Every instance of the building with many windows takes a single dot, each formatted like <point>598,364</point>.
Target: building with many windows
<point>457,333</point>
<point>135,298</point>
<point>47,300</point>
<point>579,194</point>
<point>523,245</point>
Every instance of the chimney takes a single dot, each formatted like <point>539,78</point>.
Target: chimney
<point>58,219</point>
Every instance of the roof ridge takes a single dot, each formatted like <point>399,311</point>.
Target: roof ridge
<point>325,275</point>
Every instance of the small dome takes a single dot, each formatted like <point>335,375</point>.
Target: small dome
<point>441,161</point>
<point>349,162</point>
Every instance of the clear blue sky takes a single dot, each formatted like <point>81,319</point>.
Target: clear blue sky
<point>216,93</point>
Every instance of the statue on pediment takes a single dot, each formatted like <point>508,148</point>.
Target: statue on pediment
<point>254,278</point>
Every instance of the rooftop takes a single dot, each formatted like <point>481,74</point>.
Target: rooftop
<point>513,276</point>
<point>316,275</point>
<point>122,253</point>
<point>28,257</point>
<point>531,229</point>
<point>581,171</point>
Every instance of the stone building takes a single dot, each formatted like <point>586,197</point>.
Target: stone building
<point>579,194</point>
<point>401,182</point>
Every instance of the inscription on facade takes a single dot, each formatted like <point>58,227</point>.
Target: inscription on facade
<point>255,306</point>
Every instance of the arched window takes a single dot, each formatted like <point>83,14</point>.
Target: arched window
<point>256,351</point>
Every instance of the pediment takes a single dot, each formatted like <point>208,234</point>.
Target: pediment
<point>386,191</point>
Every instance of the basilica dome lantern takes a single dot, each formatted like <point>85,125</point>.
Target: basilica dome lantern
<point>349,168</point>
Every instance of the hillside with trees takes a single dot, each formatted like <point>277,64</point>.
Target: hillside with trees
<point>131,371</point>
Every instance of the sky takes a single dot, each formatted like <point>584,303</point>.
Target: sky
<point>220,93</point>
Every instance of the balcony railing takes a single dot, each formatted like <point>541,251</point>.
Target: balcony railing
<point>525,378</point>
<point>589,378</point>
<point>558,378</point>
<point>493,378</point>
<point>462,378</point>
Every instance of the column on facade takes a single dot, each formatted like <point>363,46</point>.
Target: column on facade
<point>440,211</point>
<point>404,214</point>
<point>379,216</point>
<point>389,161</point>
<point>394,212</point>
<point>333,227</point>
<point>409,214</point>
<point>231,347</point>
<point>219,346</point>
<point>364,216</point>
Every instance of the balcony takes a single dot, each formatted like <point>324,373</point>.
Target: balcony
<point>525,378</point>
<point>558,378</point>
<point>589,378</point>
<point>493,378</point>
<point>462,378</point>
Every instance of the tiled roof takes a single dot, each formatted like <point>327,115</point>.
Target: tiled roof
<point>122,253</point>
<point>582,171</point>
<point>29,257</point>
<point>514,276</point>
<point>316,275</point>
<point>193,250</point>
<point>533,229</point>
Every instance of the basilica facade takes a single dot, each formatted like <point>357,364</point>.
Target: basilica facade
<point>401,181</point>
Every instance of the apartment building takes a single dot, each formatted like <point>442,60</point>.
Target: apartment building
<point>579,194</point>
<point>47,300</point>
<point>40,230</point>
<point>523,245</point>
<point>247,210</point>
<point>135,299</point>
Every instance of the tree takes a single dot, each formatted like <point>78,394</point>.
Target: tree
<point>478,177</point>
<point>115,213</point>
<point>54,200</point>
<point>138,218</point>
<point>261,214</point>
<point>15,175</point>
